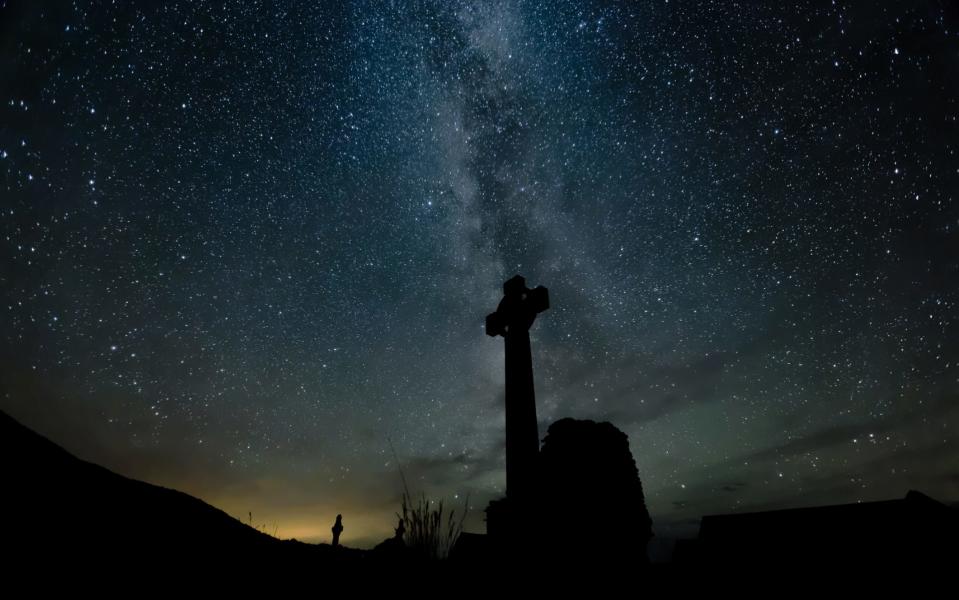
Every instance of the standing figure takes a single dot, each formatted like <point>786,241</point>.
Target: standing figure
<point>337,530</point>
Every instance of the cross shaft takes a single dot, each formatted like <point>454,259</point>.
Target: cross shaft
<point>512,320</point>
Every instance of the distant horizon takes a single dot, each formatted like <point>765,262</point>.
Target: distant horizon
<point>312,530</point>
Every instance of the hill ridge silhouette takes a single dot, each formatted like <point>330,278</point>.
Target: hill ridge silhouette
<point>14,437</point>
<point>65,512</point>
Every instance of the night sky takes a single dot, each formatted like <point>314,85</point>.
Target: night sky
<point>245,246</point>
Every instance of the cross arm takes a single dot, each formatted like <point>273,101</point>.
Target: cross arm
<point>495,325</point>
<point>538,299</point>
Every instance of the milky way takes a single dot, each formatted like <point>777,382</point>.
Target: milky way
<point>246,249</point>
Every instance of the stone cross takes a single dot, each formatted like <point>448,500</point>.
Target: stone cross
<point>512,320</point>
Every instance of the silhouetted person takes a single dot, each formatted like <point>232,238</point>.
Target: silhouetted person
<point>337,530</point>
<point>400,530</point>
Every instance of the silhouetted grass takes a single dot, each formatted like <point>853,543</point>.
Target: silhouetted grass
<point>427,532</point>
<point>263,526</point>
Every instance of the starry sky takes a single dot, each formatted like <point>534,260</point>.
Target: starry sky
<point>247,248</point>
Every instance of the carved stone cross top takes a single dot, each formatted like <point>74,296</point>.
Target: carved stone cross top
<point>518,308</point>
